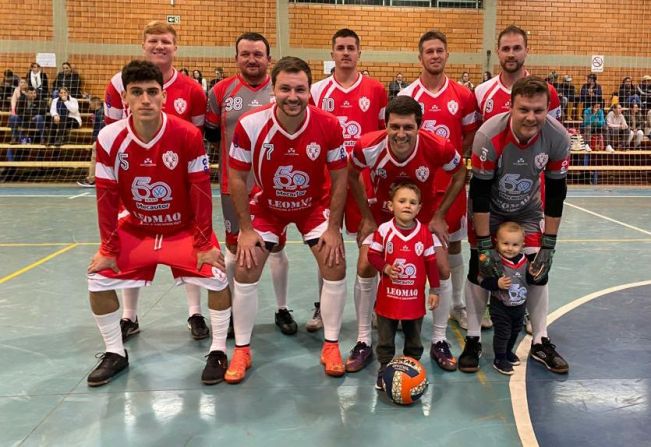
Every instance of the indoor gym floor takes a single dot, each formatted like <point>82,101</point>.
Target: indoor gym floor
<point>600,306</point>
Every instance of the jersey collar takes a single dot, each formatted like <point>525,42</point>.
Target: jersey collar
<point>514,139</point>
<point>282,130</point>
<point>405,234</point>
<point>157,136</point>
<point>171,80</point>
<point>260,86</point>
<point>433,95</point>
<point>352,87</point>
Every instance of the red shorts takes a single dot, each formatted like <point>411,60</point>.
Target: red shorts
<point>272,225</point>
<point>141,253</point>
<point>456,215</point>
<point>232,224</point>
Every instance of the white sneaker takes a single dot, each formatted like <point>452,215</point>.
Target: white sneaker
<point>587,148</point>
<point>460,316</point>
<point>527,324</point>
<point>609,148</point>
<point>315,323</point>
<point>486,322</point>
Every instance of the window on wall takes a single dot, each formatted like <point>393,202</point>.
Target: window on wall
<point>470,4</point>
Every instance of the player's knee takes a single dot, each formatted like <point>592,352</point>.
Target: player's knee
<point>364,268</point>
<point>336,272</point>
<point>232,248</point>
<point>454,248</point>
<point>105,302</point>
<point>219,299</point>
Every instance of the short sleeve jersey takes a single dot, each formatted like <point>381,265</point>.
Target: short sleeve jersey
<point>288,169</point>
<point>450,113</point>
<point>515,168</point>
<point>228,100</point>
<point>185,99</point>
<point>359,108</point>
<point>517,271</point>
<point>154,179</point>
<point>494,98</point>
<point>403,298</point>
<point>431,153</point>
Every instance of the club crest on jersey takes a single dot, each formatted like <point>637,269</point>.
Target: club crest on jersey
<point>381,172</point>
<point>489,105</point>
<point>419,247</point>
<point>313,150</point>
<point>389,247</point>
<point>541,160</point>
<point>180,105</point>
<point>422,173</point>
<point>453,107</point>
<point>364,103</point>
<point>170,159</point>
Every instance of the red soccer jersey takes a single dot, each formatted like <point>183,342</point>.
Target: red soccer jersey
<point>450,113</point>
<point>359,108</point>
<point>228,100</point>
<point>431,153</point>
<point>185,99</point>
<point>289,169</point>
<point>403,298</point>
<point>494,98</point>
<point>164,184</point>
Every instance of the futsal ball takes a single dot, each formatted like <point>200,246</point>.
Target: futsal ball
<point>405,380</point>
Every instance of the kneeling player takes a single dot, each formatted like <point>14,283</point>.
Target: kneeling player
<point>156,166</point>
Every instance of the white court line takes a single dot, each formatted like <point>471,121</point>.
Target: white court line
<point>83,194</point>
<point>609,219</point>
<point>518,381</point>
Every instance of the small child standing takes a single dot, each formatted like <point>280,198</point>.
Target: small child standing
<point>403,252</point>
<point>508,295</point>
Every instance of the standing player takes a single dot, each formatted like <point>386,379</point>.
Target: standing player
<point>509,153</point>
<point>403,151</point>
<point>289,146</point>
<point>185,99</point>
<point>358,102</point>
<point>227,101</point>
<point>450,111</point>
<point>153,164</point>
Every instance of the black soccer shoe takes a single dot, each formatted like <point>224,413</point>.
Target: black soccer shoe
<point>215,368</point>
<point>197,326</point>
<point>128,328</point>
<point>546,354</point>
<point>285,322</point>
<point>469,358</point>
<point>109,367</point>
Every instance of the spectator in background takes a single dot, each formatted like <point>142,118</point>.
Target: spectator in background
<point>647,124</point>
<point>628,92</point>
<point>64,111</point>
<point>9,84</point>
<point>593,123</point>
<point>635,120</point>
<point>97,108</point>
<point>17,94</point>
<point>30,113</point>
<point>69,79</point>
<point>644,90</point>
<point>465,81</point>
<point>219,75</point>
<point>396,85</point>
<point>591,92</point>
<point>486,76</point>
<point>567,94</point>
<point>184,71</point>
<point>365,73</point>
<point>198,76</point>
<point>38,79</point>
<point>617,131</point>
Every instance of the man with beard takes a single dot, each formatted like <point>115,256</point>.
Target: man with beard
<point>228,100</point>
<point>449,111</point>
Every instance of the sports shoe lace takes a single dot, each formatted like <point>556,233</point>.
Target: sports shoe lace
<point>285,316</point>
<point>359,348</point>
<point>444,347</point>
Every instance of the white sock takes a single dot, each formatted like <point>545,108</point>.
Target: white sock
<point>219,322</point>
<point>245,309</point>
<point>279,267</point>
<point>458,279</point>
<point>229,260</point>
<point>538,306</point>
<point>333,299</point>
<point>476,299</point>
<point>319,280</point>
<point>130,303</point>
<point>193,295</point>
<point>109,327</point>
<point>441,314</point>
<point>365,290</point>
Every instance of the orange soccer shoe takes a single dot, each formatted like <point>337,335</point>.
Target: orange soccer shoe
<point>331,360</point>
<point>240,362</point>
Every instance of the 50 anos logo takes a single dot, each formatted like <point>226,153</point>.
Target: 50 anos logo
<point>290,183</point>
<point>148,195</point>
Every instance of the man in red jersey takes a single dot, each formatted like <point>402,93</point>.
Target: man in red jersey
<point>289,147</point>
<point>403,151</point>
<point>185,99</point>
<point>450,111</point>
<point>155,166</point>
<point>228,100</point>
<point>358,102</point>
